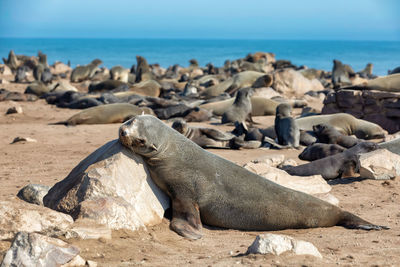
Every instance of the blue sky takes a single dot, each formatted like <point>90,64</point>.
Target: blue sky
<point>216,19</point>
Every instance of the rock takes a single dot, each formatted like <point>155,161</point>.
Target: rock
<point>33,193</point>
<point>277,244</point>
<point>270,160</point>
<point>112,186</point>
<point>63,86</point>
<point>77,261</point>
<point>91,263</point>
<point>14,110</point>
<point>32,249</point>
<point>23,139</point>
<point>380,164</point>
<point>17,216</point>
<point>5,70</point>
<point>314,185</point>
<point>4,81</point>
<point>291,82</point>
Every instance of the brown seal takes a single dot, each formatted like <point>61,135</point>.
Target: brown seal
<point>205,188</point>
<point>241,108</point>
<point>319,151</point>
<point>329,135</point>
<point>109,113</point>
<point>341,165</point>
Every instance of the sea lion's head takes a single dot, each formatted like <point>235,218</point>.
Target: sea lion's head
<point>181,126</point>
<point>143,134</point>
<point>284,110</point>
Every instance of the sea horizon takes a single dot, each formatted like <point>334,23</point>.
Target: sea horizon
<point>319,54</point>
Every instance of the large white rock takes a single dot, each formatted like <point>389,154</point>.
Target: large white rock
<point>32,249</point>
<point>113,187</point>
<point>277,244</point>
<point>17,216</point>
<point>290,82</point>
<point>380,164</point>
<point>314,185</point>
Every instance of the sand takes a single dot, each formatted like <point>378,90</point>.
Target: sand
<point>59,148</point>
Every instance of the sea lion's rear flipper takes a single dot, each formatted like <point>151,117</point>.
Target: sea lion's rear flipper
<point>186,218</point>
<point>217,135</point>
<point>352,221</point>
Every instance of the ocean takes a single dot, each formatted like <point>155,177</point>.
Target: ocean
<point>384,55</point>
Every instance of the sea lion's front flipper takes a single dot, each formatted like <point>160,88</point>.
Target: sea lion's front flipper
<point>186,218</point>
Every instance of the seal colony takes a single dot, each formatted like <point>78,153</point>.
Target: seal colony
<point>205,188</point>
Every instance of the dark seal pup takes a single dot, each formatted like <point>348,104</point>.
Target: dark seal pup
<point>286,129</point>
<point>344,164</point>
<point>319,151</point>
<point>329,135</point>
<point>205,188</point>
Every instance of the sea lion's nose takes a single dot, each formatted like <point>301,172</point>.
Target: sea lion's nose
<point>123,132</point>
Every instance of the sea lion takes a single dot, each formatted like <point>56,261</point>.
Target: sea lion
<point>12,61</point>
<point>240,109</point>
<point>344,123</point>
<point>260,106</point>
<point>240,80</point>
<point>21,74</point>
<point>82,73</point>
<point>367,71</point>
<point>110,113</point>
<point>318,151</point>
<point>390,83</point>
<point>119,73</point>
<point>205,188</point>
<point>394,71</point>
<point>329,135</point>
<point>108,85</point>
<point>340,74</point>
<point>286,128</point>
<point>143,72</point>
<point>344,164</point>
<point>204,137</point>
<point>392,145</point>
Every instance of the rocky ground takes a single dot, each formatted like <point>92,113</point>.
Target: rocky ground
<point>59,148</point>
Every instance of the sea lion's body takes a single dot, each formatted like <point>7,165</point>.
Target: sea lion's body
<point>240,109</point>
<point>205,188</point>
<point>390,83</point>
<point>344,123</point>
<point>204,137</point>
<point>286,128</point>
<point>318,151</point>
<point>343,164</point>
<point>81,73</point>
<point>260,106</point>
<point>110,113</point>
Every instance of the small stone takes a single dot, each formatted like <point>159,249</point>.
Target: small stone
<point>33,193</point>
<point>14,110</point>
<point>23,139</point>
<point>91,263</point>
<point>277,244</point>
